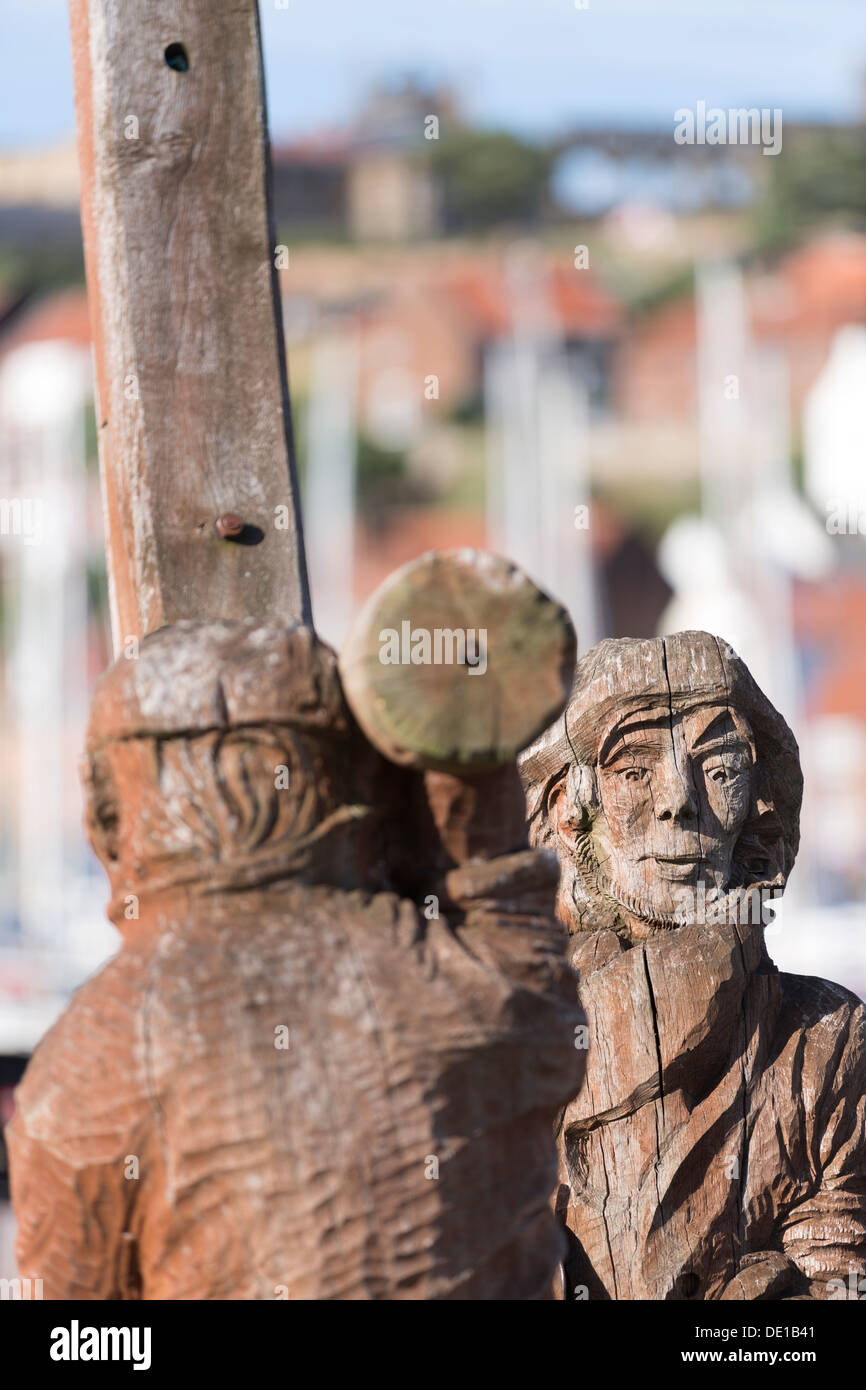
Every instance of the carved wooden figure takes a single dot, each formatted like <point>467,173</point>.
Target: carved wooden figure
<point>326,1060</point>
<point>718,1146</point>
<point>296,1080</point>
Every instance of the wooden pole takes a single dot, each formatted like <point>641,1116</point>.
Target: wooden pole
<point>194,422</point>
<point>415,1043</point>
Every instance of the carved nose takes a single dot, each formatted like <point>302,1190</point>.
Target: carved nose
<point>677,800</point>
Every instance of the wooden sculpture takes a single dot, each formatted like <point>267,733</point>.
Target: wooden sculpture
<point>326,1060</point>
<point>296,1080</point>
<point>718,1146</point>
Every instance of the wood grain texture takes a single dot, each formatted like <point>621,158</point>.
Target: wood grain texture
<point>400,1145</point>
<point>457,661</point>
<point>718,1147</point>
<point>193,410</point>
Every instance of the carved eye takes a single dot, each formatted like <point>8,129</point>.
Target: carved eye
<point>725,772</point>
<point>634,774</point>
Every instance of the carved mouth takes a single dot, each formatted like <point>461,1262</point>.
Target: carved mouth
<point>680,867</point>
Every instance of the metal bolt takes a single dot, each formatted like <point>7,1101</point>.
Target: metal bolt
<point>228,525</point>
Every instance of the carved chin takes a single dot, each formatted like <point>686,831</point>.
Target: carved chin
<point>638,905</point>
<point>599,900</point>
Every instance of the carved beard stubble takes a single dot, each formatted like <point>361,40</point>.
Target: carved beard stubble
<point>595,899</point>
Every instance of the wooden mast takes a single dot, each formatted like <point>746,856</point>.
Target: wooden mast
<point>194,425</point>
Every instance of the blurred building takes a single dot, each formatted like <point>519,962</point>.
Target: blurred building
<point>796,304</point>
<point>435,312</point>
<point>371,179</point>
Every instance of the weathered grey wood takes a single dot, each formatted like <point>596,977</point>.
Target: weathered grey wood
<point>193,405</point>
<point>457,661</point>
<point>718,1147</point>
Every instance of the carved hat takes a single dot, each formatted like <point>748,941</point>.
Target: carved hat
<point>187,745</point>
<point>622,675</point>
<point>193,677</point>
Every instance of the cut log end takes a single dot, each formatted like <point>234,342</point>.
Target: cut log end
<point>457,662</point>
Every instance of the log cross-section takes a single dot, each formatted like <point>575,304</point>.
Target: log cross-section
<point>193,411</point>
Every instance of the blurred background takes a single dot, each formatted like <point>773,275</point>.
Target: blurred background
<point>519,315</point>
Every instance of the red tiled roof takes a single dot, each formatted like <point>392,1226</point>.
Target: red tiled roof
<point>324,147</point>
<point>414,530</point>
<point>823,284</point>
<point>61,316</point>
<point>818,287</point>
<point>826,617</point>
<point>582,307</point>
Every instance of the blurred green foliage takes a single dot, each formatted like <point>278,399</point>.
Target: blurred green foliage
<point>819,177</point>
<point>383,482</point>
<point>376,465</point>
<point>40,267</point>
<point>648,508</point>
<point>490,177</point>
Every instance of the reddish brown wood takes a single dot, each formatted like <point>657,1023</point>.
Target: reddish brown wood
<point>274,877</point>
<point>327,1059</point>
<point>193,406</point>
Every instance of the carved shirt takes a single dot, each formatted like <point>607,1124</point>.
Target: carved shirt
<point>723,1120</point>
<point>306,1094</point>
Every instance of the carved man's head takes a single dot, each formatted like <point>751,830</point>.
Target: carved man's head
<point>224,755</point>
<point>669,783</point>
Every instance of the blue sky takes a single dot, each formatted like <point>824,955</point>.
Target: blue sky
<point>531,65</point>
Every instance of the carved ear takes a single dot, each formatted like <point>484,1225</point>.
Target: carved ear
<point>102,815</point>
<point>572,804</point>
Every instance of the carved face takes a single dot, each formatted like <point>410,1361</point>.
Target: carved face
<point>675,792</point>
<point>670,790</point>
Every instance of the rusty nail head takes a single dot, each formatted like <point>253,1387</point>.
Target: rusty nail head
<point>228,525</point>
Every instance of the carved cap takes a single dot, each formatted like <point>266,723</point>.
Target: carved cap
<point>688,669</point>
<point>192,677</point>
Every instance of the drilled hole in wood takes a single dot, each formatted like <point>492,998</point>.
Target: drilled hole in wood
<point>176,57</point>
<point>250,535</point>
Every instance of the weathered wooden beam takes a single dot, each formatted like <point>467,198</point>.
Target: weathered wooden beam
<point>193,408</point>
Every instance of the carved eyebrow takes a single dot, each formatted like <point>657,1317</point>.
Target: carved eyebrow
<point>727,744</point>
<point>713,733</point>
<point>615,745</point>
